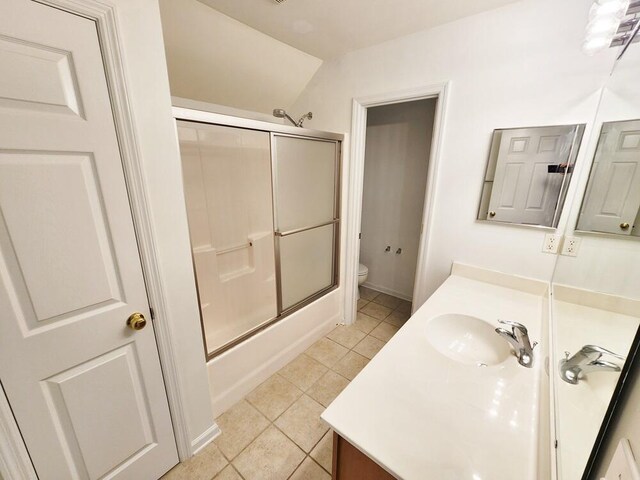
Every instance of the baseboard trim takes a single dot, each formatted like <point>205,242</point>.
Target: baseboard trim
<point>205,438</point>
<point>388,291</point>
<point>222,401</point>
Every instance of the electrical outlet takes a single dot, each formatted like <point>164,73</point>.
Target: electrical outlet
<point>551,243</point>
<point>570,246</point>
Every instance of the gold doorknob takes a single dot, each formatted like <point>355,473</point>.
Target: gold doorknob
<point>624,226</point>
<point>136,321</point>
<point>492,214</point>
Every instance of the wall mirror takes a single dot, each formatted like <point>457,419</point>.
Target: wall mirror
<point>596,294</point>
<point>612,200</point>
<point>528,174</point>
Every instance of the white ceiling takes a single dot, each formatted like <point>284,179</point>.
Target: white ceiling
<point>328,28</point>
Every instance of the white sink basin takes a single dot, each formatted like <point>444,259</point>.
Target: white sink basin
<point>466,339</point>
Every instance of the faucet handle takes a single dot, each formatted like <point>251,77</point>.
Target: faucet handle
<point>514,325</point>
<point>601,350</point>
<point>605,364</point>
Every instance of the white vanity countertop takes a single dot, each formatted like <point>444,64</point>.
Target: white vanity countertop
<point>421,415</point>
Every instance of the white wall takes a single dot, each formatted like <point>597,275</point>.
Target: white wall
<point>395,177</point>
<point>520,65</point>
<point>146,73</point>
<point>214,58</point>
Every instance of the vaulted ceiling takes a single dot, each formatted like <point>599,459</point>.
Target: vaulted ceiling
<point>328,28</point>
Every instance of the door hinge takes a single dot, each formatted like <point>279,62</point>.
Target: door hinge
<point>153,315</point>
<point>556,444</point>
<point>360,236</point>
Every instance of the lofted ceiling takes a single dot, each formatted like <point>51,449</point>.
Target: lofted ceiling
<point>329,28</point>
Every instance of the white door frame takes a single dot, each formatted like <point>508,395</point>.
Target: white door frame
<point>14,458</point>
<point>356,176</point>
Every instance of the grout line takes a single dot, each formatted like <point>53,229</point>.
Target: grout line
<point>233,468</point>
<point>271,424</point>
<point>304,392</point>
<point>306,454</point>
<point>311,449</point>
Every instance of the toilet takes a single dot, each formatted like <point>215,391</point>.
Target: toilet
<point>363,273</point>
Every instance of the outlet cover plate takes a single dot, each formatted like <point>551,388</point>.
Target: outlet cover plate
<point>551,243</point>
<point>570,246</point>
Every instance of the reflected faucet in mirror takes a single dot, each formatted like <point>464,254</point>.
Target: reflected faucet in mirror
<point>518,337</point>
<point>587,359</point>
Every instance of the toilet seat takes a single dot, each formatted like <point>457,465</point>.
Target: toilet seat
<point>362,270</point>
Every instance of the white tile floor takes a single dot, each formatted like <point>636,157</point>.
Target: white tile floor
<point>276,433</point>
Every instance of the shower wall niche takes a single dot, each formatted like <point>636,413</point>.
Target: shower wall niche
<point>263,219</point>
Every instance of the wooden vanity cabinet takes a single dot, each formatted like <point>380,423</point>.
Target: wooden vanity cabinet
<point>349,463</point>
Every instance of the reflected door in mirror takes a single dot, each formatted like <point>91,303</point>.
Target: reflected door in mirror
<point>524,191</point>
<point>612,200</point>
<point>528,174</point>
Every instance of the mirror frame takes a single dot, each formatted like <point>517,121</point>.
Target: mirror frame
<point>630,369</point>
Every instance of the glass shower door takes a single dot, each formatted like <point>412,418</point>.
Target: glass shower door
<point>305,179</point>
<point>228,194</point>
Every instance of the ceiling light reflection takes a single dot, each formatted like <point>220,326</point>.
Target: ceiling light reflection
<point>604,22</point>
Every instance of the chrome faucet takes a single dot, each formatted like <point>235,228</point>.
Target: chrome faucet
<point>518,337</point>
<point>586,360</point>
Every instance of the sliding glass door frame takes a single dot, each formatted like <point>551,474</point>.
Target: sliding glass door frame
<point>204,117</point>
<point>335,274</point>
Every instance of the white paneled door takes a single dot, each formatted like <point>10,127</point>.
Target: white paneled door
<point>523,189</point>
<point>612,200</point>
<point>86,389</point>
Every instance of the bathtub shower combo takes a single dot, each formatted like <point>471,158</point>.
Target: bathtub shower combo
<point>263,210</point>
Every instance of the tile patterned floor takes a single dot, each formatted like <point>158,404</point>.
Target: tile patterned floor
<point>275,432</point>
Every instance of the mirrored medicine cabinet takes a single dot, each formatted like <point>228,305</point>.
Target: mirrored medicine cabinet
<point>528,174</point>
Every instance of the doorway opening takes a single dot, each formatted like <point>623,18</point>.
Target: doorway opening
<point>394,162</point>
<point>397,149</point>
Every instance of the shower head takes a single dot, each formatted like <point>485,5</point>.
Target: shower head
<point>279,112</point>
<point>282,113</point>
